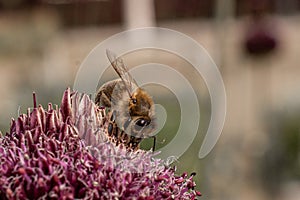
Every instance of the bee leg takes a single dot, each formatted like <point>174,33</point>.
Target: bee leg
<point>102,99</point>
<point>113,116</point>
<point>110,129</point>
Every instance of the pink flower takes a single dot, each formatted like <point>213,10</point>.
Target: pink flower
<point>63,153</point>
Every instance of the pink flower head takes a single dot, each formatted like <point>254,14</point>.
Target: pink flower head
<point>63,153</point>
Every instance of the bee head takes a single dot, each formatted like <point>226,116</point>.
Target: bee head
<point>141,109</point>
<point>140,103</point>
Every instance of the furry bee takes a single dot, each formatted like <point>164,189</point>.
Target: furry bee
<point>130,108</point>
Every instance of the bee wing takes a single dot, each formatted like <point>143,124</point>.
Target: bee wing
<point>122,71</point>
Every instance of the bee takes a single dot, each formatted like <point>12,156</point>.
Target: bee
<point>131,114</point>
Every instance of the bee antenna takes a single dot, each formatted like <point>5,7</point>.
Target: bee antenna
<point>154,142</point>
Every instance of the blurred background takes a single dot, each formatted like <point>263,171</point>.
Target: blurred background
<point>255,44</point>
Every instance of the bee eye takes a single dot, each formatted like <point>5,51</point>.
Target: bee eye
<point>142,122</point>
<point>134,101</point>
